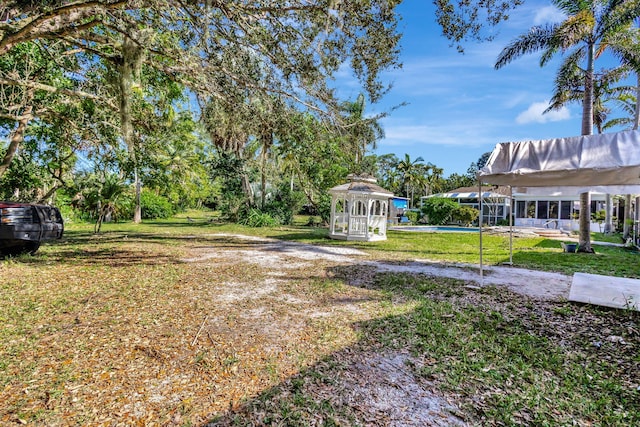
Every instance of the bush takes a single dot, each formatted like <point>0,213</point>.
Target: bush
<point>439,210</point>
<point>283,206</point>
<point>324,207</point>
<point>257,218</point>
<point>154,206</point>
<point>503,221</point>
<point>465,215</point>
<point>412,216</point>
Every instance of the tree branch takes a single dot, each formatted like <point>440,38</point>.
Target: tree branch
<point>58,21</point>
<point>53,89</point>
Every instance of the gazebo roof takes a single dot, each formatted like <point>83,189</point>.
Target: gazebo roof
<point>362,184</point>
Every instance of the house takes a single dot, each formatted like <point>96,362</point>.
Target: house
<point>535,209</point>
<point>556,211</point>
<point>495,201</point>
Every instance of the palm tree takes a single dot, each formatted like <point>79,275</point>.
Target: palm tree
<point>569,88</point>
<point>361,131</point>
<point>434,179</point>
<point>587,25</point>
<point>412,174</point>
<point>626,45</point>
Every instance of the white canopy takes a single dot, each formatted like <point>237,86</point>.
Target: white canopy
<point>605,163</point>
<point>575,164</point>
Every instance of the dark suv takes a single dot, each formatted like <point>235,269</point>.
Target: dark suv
<point>24,226</point>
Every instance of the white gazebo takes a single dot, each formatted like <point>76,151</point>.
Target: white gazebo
<point>359,210</point>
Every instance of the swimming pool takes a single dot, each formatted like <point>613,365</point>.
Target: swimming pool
<point>436,228</point>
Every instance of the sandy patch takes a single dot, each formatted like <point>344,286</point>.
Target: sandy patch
<point>278,255</point>
<point>380,387</point>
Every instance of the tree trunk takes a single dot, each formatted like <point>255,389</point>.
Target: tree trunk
<point>584,221</point>
<point>246,188</point>
<point>636,116</point>
<point>17,138</point>
<point>137,212</point>
<point>129,69</point>
<point>584,240</point>
<point>628,218</point>
<point>267,142</point>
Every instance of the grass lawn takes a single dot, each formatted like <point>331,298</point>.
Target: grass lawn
<point>178,322</point>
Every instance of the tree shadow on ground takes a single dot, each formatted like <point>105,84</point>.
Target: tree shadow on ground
<point>399,371</point>
<point>370,382</point>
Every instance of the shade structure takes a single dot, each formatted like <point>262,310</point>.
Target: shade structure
<point>579,162</point>
<point>573,165</point>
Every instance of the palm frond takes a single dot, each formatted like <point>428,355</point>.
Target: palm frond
<point>624,122</point>
<point>616,15</point>
<point>536,39</point>
<point>571,7</point>
<point>569,81</point>
<point>625,45</point>
<point>574,29</point>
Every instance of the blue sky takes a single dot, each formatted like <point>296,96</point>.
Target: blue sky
<point>459,106</point>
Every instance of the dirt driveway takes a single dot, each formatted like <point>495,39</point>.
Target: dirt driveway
<point>380,386</point>
<point>141,330</point>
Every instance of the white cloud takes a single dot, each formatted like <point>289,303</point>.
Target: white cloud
<point>548,14</point>
<point>534,114</point>
<point>460,134</point>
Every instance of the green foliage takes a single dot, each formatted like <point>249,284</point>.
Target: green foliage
<point>22,180</point>
<point>598,216</point>
<point>439,210</point>
<point>155,206</point>
<point>456,180</point>
<point>100,197</point>
<point>226,170</point>
<point>502,221</point>
<point>256,218</point>
<point>465,215</point>
<point>324,207</point>
<point>463,20</point>
<point>284,205</point>
<point>412,216</point>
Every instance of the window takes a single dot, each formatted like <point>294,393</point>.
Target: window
<point>565,209</point>
<point>543,209</point>
<point>376,208</point>
<point>553,210</point>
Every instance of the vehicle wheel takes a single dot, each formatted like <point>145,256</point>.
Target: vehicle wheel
<point>31,248</point>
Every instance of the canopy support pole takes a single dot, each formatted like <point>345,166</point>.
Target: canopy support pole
<point>480,229</point>
<point>510,225</point>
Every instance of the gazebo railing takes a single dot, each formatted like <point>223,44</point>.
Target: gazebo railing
<point>358,225</point>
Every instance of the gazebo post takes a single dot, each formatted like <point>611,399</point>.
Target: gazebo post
<point>332,226</point>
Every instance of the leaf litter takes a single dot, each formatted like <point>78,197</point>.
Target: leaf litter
<point>144,334</point>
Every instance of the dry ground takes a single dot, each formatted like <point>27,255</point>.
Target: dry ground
<point>155,335</point>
